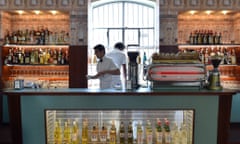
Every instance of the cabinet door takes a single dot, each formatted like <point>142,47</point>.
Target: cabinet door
<point>34,4</point>
<point>49,4</point>
<point>4,4</point>
<point>79,3</point>
<point>18,4</point>
<point>66,4</point>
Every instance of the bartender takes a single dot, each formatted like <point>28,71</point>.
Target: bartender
<point>105,68</point>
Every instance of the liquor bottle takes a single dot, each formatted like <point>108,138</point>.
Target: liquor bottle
<point>206,56</point>
<point>85,132</point>
<point>130,133</point>
<point>67,133</point>
<point>183,133</point>
<point>122,133</point>
<point>149,133</point>
<point>233,57</point>
<point>94,134</point>
<point>159,133</point>
<point>167,135</point>
<point>75,133</point>
<point>219,41</point>
<point>58,133</point>
<point>176,138</point>
<point>191,38</point>
<point>139,133</point>
<point>103,135</point>
<point>113,136</point>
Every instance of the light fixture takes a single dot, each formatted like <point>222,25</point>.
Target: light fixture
<point>208,12</point>
<point>224,12</point>
<point>53,12</point>
<point>20,12</point>
<point>192,12</point>
<point>37,12</point>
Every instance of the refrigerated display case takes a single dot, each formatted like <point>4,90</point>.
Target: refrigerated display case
<point>166,126</point>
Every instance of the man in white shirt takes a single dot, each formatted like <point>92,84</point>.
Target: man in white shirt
<point>120,59</point>
<point>106,68</point>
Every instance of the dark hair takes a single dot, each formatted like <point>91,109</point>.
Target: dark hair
<point>99,47</point>
<point>119,46</point>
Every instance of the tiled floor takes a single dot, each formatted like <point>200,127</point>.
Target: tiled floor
<point>5,132</point>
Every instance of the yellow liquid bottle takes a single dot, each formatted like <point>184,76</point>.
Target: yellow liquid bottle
<point>57,133</point>
<point>75,133</point>
<point>67,133</point>
<point>85,132</point>
<point>94,134</point>
<point>113,136</point>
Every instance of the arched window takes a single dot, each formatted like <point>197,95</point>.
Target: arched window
<point>133,22</point>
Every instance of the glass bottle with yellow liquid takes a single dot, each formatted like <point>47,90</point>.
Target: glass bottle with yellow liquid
<point>67,133</point>
<point>58,133</point>
<point>113,136</point>
<point>85,132</point>
<point>75,133</point>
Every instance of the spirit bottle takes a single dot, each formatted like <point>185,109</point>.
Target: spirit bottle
<point>130,133</point>
<point>149,133</point>
<point>85,132</point>
<point>67,133</point>
<point>159,133</point>
<point>183,131</point>
<point>167,134</point>
<point>94,134</point>
<point>103,135</point>
<point>122,133</point>
<point>139,134</point>
<point>113,137</point>
<point>58,133</point>
<point>75,133</point>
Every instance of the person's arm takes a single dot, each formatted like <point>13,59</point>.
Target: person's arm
<point>112,72</point>
<point>124,71</point>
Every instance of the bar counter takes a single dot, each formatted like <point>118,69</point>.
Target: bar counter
<point>212,108</point>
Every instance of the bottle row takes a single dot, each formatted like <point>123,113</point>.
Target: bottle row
<point>205,37</point>
<point>25,56</point>
<point>127,133</point>
<point>39,36</point>
<point>228,55</point>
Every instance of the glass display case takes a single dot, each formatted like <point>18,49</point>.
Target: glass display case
<point>119,126</point>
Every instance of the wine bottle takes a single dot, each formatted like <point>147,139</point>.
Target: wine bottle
<point>75,133</point>
<point>113,137</point>
<point>103,135</point>
<point>67,133</point>
<point>85,132</point>
<point>94,134</point>
<point>130,133</point>
<point>57,133</point>
<point>167,134</point>
<point>159,133</point>
<point>149,133</point>
<point>122,133</point>
<point>139,134</point>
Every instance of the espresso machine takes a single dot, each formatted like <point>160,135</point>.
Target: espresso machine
<point>214,75</point>
<point>132,76</point>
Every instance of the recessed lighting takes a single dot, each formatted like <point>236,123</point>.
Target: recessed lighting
<point>224,12</point>
<point>192,12</point>
<point>53,12</point>
<point>37,12</point>
<point>208,12</point>
<point>20,12</point>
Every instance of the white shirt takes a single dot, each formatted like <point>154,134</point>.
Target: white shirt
<point>106,64</point>
<point>119,58</point>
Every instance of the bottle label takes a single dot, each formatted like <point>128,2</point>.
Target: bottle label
<point>103,138</point>
<point>167,138</point>
<point>121,135</point>
<point>130,135</point>
<point>74,137</point>
<point>149,139</point>
<point>94,138</point>
<point>139,138</point>
<point>159,137</point>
